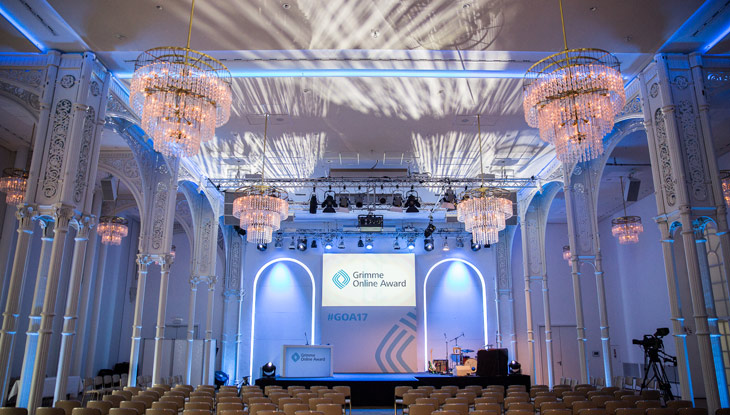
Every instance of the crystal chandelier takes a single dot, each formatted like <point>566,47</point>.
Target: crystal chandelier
<point>112,229</point>
<point>725,187</point>
<point>626,228</point>
<point>260,209</point>
<point>182,95</point>
<point>484,211</point>
<point>572,97</point>
<point>566,253</point>
<point>13,184</point>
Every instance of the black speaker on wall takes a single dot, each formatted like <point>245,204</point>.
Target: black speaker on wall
<point>492,362</point>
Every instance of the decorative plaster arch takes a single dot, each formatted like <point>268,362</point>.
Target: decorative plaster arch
<point>425,313</point>
<point>314,295</point>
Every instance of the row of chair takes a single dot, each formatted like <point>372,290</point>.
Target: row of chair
<point>295,398</point>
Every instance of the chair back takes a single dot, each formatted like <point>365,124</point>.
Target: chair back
<point>51,411</point>
<point>313,402</point>
<point>329,408</point>
<point>136,405</point>
<point>123,411</point>
<point>682,411</point>
<point>85,411</point>
<point>67,406</point>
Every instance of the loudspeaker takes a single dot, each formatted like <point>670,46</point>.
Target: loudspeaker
<point>633,193</point>
<point>492,362</point>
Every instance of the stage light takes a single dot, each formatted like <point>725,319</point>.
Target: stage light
<point>411,244</point>
<point>445,248</point>
<point>396,245</point>
<point>328,244</point>
<point>261,247</point>
<point>358,201</point>
<point>292,245</point>
<point>514,368</point>
<point>329,202</point>
<point>342,243</point>
<point>397,200</point>
<point>487,246</point>
<point>314,244</point>
<point>412,201</point>
<point>313,203</point>
<point>475,246</point>
<point>369,244</point>
<point>448,202</point>
<point>429,229</point>
<point>268,370</point>
<point>302,244</point>
<point>459,242</point>
<point>278,243</point>
<point>360,244</point>
<point>428,244</point>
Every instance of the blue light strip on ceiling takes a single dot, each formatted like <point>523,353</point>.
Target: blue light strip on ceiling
<point>718,39</point>
<point>19,26</point>
<point>364,73</point>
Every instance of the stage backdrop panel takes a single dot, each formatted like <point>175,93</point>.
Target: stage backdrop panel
<point>369,312</point>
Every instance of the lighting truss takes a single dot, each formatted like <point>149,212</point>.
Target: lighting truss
<point>368,182</point>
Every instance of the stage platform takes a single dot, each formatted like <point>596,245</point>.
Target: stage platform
<point>376,389</point>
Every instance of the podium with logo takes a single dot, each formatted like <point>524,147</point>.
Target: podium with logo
<point>307,361</point>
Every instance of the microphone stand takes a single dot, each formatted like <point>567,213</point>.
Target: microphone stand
<point>446,340</point>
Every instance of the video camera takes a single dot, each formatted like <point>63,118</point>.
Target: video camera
<point>654,341</point>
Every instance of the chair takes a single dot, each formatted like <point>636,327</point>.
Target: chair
<point>329,408</point>
<point>345,390</point>
<point>452,389</point>
<point>593,411</point>
<point>148,392</point>
<point>241,412</point>
<point>317,388</point>
<point>136,405</point>
<point>127,395</point>
<point>305,396</point>
<point>514,399</point>
<point>722,411</point>
<point>135,390</point>
<point>520,406</point>
<point>420,409</point>
<point>86,411</point>
<point>651,395</point>
<point>648,404</point>
<point>679,404</point>
<point>491,407</point>
<point>67,406</point>
<point>102,406</point>
<point>205,406</point>
<point>114,399</point>
<point>680,411</point>
<point>196,412</point>
<point>601,400</point>
<point>661,411</point>
<point>258,413</point>
<point>292,389</point>
<point>275,396</point>
<point>313,402</point>
<point>283,401</point>
<point>166,405</point>
<point>570,400</point>
<point>483,412</point>
<point>580,405</point>
<point>146,399</point>
<point>518,412</point>
<point>236,399</point>
<point>442,412</point>
<point>51,411</point>
<point>292,408</point>
<point>398,394</point>
<point>155,411</point>
<point>549,406</point>
<point>228,407</point>
<point>308,413</point>
<point>630,411</point>
<point>519,395</point>
<point>470,396</point>
<point>121,411</point>
<point>474,388</point>
<point>258,399</point>
<point>461,408</point>
<point>428,388</point>
<point>557,412</point>
<point>543,399</point>
<point>442,396</point>
<point>499,396</point>
<point>459,400</point>
<point>612,406</point>
<point>13,411</point>
<point>428,401</point>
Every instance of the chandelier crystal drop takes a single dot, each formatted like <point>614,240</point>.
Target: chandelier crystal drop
<point>484,213</point>
<point>726,187</point>
<point>566,253</point>
<point>182,95</point>
<point>626,228</point>
<point>112,229</point>
<point>13,183</point>
<point>573,97</point>
<point>260,211</point>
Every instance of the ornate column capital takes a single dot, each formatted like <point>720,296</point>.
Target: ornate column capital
<point>232,293</point>
<point>83,225</point>
<point>25,215</point>
<point>62,214</point>
<point>143,261</point>
<point>194,281</point>
<point>165,261</point>
<point>211,280</point>
<point>47,225</point>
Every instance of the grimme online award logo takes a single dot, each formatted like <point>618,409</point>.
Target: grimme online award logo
<point>341,279</point>
<point>364,279</point>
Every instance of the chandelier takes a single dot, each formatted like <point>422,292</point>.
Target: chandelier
<point>112,229</point>
<point>13,184</point>
<point>182,95</point>
<point>566,253</point>
<point>260,209</point>
<point>573,97</point>
<point>484,211</point>
<point>626,228</point>
<point>725,187</point>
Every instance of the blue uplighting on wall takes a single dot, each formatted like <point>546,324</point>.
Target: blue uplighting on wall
<point>22,29</point>
<point>425,303</point>
<point>711,44</point>
<point>253,307</point>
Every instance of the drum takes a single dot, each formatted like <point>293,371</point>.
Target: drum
<point>471,363</point>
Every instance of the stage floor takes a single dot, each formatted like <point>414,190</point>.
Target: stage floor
<point>376,389</point>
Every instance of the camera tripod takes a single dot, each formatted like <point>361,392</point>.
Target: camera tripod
<point>653,358</point>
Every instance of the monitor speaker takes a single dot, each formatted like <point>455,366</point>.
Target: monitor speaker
<point>492,362</point>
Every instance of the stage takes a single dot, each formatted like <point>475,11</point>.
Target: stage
<point>376,389</point>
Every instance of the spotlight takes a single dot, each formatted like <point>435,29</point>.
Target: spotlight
<point>329,202</point>
<point>382,200</point>
<point>292,245</point>
<point>411,244</point>
<point>314,244</point>
<point>445,247</point>
<point>428,244</point>
<point>342,243</point>
<point>397,200</point>
<point>369,244</point>
<point>358,201</point>
<point>279,242</point>
<point>360,244</point>
<point>396,245</point>
<point>429,230</point>
<point>412,202</point>
<point>475,246</point>
<point>268,370</point>
<point>448,202</point>
<point>514,368</point>
<point>313,203</point>
<point>302,244</point>
<point>261,247</point>
<point>487,246</point>
<point>459,242</point>
<point>328,244</point>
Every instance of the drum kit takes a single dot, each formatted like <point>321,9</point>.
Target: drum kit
<point>460,360</point>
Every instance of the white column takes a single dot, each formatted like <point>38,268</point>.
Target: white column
<point>603,316</point>
<point>208,330</point>
<point>24,214</point>
<point>548,329</point>
<point>83,226</point>
<point>34,318</point>
<point>191,328</point>
<point>62,216</point>
<point>143,261</point>
<point>95,310</point>
<point>86,284</point>
<point>165,264</point>
<point>530,331</point>
<point>239,333</point>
